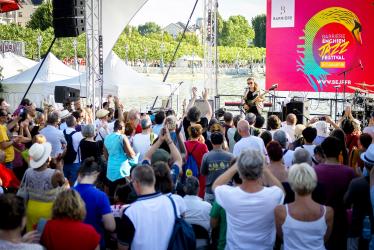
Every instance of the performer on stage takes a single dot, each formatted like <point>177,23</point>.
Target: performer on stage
<point>252,98</point>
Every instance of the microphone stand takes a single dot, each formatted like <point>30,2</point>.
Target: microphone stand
<point>344,73</point>
<point>170,98</point>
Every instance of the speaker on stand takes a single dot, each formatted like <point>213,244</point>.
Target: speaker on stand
<point>69,17</point>
<point>300,109</point>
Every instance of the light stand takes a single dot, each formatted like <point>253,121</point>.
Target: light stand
<point>336,100</point>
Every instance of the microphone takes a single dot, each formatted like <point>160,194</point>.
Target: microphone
<point>274,86</point>
<point>360,64</point>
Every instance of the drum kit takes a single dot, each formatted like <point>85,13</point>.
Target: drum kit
<point>363,103</point>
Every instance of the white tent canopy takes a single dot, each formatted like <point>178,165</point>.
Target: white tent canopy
<point>13,64</point>
<point>120,79</point>
<point>42,89</point>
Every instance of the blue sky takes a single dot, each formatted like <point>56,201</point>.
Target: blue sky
<point>164,12</point>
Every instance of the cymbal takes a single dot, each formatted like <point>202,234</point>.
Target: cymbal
<point>358,89</point>
<point>365,84</point>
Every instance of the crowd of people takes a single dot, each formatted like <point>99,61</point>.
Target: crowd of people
<point>125,179</point>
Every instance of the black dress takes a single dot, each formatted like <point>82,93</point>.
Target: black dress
<point>248,100</point>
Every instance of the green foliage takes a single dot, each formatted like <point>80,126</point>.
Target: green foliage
<point>42,17</point>
<point>236,32</point>
<point>190,38</point>
<point>149,28</point>
<point>259,26</point>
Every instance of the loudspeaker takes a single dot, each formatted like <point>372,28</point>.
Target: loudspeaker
<point>279,114</point>
<point>68,17</point>
<point>65,94</point>
<point>300,109</point>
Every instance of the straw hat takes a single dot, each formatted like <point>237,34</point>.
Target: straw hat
<point>39,153</point>
<point>368,155</point>
<point>102,113</point>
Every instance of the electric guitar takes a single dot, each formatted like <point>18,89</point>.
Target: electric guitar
<point>255,102</point>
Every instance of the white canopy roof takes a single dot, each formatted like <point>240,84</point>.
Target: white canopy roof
<point>52,70</point>
<point>13,64</point>
<point>122,80</point>
<point>43,88</point>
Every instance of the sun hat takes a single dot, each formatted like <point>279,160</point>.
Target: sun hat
<point>64,113</point>
<point>101,113</point>
<point>322,128</point>
<point>368,155</point>
<point>39,153</point>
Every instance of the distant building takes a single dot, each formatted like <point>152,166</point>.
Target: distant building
<point>23,15</point>
<point>176,28</point>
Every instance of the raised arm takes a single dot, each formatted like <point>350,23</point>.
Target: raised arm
<point>205,97</point>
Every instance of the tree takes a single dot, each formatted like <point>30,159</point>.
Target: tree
<point>259,27</point>
<point>42,17</point>
<point>220,23</point>
<point>236,32</point>
<point>149,28</point>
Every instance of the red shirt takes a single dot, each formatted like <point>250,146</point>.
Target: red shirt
<point>198,154</point>
<point>138,129</point>
<point>62,234</point>
<point>8,177</point>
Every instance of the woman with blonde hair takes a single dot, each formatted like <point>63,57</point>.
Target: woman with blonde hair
<point>66,230</point>
<point>303,224</point>
<point>196,147</point>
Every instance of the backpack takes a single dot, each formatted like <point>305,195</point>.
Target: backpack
<point>183,236</point>
<point>190,168</point>
<point>70,154</point>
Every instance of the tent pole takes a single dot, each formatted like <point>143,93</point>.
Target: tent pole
<point>37,72</point>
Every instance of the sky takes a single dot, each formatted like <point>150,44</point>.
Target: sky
<point>164,12</point>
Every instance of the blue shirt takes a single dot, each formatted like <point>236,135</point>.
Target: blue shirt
<point>97,205</point>
<point>114,145</point>
<point>55,137</point>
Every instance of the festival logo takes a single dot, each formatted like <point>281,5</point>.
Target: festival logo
<point>329,45</point>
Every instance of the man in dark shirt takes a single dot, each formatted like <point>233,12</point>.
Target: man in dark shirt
<point>333,181</point>
<point>214,164</point>
<point>358,197</point>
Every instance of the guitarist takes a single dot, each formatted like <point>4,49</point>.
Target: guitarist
<point>252,98</point>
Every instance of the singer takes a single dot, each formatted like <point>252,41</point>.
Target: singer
<point>252,98</point>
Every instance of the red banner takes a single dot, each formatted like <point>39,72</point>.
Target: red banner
<point>318,45</point>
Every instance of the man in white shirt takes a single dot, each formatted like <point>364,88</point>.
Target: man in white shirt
<point>247,140</point>
<point>309,134</point>
<point>281,137</point>
<point>148,222</point>
<point>289,126</point>
<point>71,168</point>
<point>101,124</point>
<point>197,210</point>
<point>143,141</point>
<point>250,206</point>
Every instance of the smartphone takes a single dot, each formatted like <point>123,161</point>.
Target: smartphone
<point>322,118</point>
<point>41,225</point>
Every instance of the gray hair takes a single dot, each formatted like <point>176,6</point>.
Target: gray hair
<point>71,121</point>
<point>191,187</point>
<point>250,164</point>
<point>302,155</point>
<point>251,118</point>
<point>281,137</point>
<point>52,118</point>
<point>302,179</point>
<point>88,130</point>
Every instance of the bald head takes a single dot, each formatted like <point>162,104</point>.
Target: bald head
<point>243,128</point>
<point>291,119</point>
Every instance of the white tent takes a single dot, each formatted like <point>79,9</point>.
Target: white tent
<point>42,89</point>
<point>120,79</point>
<point>13,64</point>
<point>130,82</point>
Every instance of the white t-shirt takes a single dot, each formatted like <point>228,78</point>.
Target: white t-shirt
<point>141,144</point>
<point>290,131</point>
<point>250,216</point>
<point>309,148</point>
<point>250,142</point>
<point>197,211</point>
<point>287,158</point>
<point>153,219</point>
